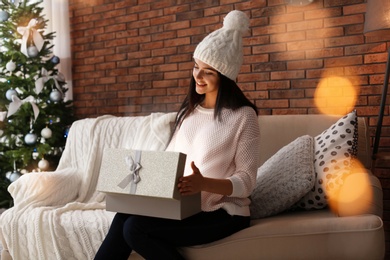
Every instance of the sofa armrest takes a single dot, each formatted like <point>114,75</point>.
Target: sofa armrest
<point>46,188</point>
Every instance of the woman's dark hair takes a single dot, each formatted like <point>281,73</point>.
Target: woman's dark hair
<point>229,96</point>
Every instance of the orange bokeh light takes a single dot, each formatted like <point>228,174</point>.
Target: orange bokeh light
<point>355,195</point>
<point>335,96</point>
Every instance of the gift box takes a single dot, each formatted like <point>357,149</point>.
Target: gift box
<point>145,183</point>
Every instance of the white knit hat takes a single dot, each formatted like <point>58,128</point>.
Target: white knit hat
<point>222,49</point>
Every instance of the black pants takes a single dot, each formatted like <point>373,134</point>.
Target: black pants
<point>158,238</point>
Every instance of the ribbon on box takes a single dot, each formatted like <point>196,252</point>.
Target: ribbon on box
<point>36,36</point>
<point>16,103</point>
<point>39,83</point>
<point>133,178</point>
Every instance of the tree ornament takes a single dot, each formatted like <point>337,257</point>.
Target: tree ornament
<point>10,66</point>
<point>55,95</point>
<point>32,51</point>
<point>46,133</point>
<point>4,16</point>
<point>11,92</point>
<point>30,138</point>
<point>35,155</point>
<point>55,60</point>
<point>43,164</point>
<point>14,176</point>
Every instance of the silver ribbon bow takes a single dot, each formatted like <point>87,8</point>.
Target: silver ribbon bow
<point>133,178</point>
<point>16,103</point>
<point>39,83</point>
<point>25,32</point>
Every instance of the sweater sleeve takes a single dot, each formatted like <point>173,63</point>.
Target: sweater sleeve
<point>246,157</point>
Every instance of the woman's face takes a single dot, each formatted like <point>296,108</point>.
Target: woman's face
<point>206,78</point>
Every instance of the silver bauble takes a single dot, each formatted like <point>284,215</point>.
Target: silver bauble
<point>3,16</point>
<point>32,51</point>
<point>10,66</point>
<point>30,138</point>
<point>14,176</point>
<point>46,133</point>
<point>55,96</point>
<point>43,164</point>
<point>11,92</point>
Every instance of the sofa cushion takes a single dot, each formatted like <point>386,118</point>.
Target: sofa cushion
<point>315,234</point>
<point>284,178</point>
<point>335,150</point>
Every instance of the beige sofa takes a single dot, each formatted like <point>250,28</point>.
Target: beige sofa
<point>316,234</point>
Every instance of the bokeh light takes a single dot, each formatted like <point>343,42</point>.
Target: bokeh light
<point>355,195</point>
<point>335,96</point>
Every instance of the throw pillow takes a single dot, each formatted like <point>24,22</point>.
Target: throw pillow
<point>335,149</point>
<point>284,178</point>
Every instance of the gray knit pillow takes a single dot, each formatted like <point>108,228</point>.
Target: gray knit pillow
<point>284,178</point>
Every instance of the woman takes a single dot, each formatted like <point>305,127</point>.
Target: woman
<point>217,128</point>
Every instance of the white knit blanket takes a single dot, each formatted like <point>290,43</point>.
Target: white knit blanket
<point>59,214</point>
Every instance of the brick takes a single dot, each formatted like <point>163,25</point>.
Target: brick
<point>344,20</point>
<point>285,84</point>
<point>289,94</point>
<point>287,37</point>
<point>343,61</point>
<point>305,45</point>
<point>176,9</point>
<point>164,83</point>
<point>165,67</point>
<point>324,53</point>
<point>375,58</point>
<point>364,69</point>
<point>340,41</point>
<point>304,64</point>
<point>253,77</point>
<point>286,18</point>
<point>285,56</point>
<point>161,51</point>
<point>150,30</point>
<point>325,33</point>
<point>277,47</point>
<point>305,25</point>
<point>177,25</point>
<point>115,28</point>
<point>115,43</point>
<point>152,61</point>
<point>151,46</point>
<point>276,75</point>
<point>190,31</point>
<point>273,103</point>
<point>177,42</point>
<point>163,20</point>
<point>150,14</point>
<point>94,60</point>
<point>205,21</point>
<point>323,13</point>
<point>269,66</point>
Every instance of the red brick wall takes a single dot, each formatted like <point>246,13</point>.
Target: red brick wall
<point>135,57</point>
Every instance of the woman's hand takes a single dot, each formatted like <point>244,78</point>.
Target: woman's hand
<point>196,182</point>
<point>193,183</point>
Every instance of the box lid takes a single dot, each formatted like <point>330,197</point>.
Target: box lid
<point>142,173</point>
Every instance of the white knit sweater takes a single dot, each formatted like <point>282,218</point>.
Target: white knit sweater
<point>226,149</point>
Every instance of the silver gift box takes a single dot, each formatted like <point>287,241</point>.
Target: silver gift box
<point>145,183</point>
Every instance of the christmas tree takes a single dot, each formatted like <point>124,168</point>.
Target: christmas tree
<point>34,116</point>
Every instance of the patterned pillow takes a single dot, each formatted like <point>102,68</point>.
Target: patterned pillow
<point>284,178</point>
<point>335,149</point>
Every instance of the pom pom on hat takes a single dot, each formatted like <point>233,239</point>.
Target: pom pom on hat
<point>222,49</point>
<point>236,20</point>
